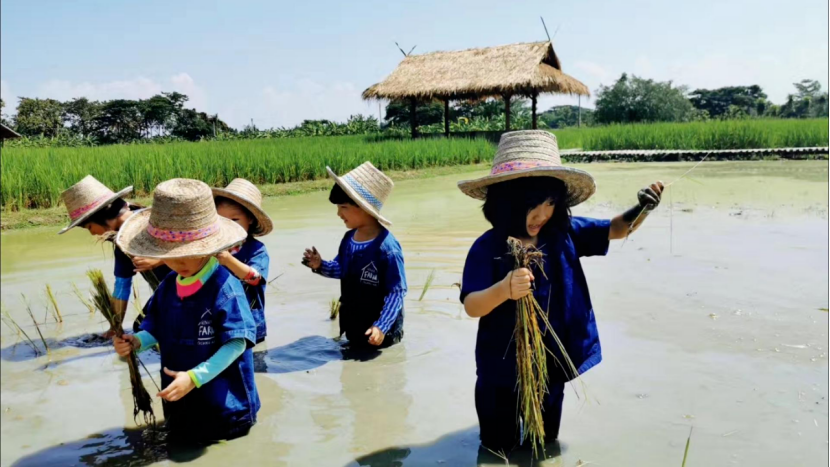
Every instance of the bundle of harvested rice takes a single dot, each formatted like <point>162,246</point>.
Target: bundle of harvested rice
<point>102,299</point>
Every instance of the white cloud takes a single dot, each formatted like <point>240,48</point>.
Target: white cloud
<point>184,84</point>
<point>596,71</point>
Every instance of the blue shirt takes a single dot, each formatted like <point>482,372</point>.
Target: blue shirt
<point>562,290</point>
<point>254,254</point>
<point>189,332</point>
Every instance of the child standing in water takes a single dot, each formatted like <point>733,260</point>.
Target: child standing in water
<point>241,202</point>
<point>369,262</point>
<point>528,195</point>
<point>102,212</point>
<point>199,317</point>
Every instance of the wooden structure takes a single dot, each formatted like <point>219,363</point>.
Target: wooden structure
<point>516,70</point>
<point>7,133</point>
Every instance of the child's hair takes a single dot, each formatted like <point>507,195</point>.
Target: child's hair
<point>508,203</point>
<point>108,213</point>
<point>254,228</point>
<point>338,196</point>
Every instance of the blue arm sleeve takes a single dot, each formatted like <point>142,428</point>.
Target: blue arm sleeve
<point>216,364</point>
<point>146,339</point>
<point>396,284</point>
<point>331,269</point>
<point>478,270</point>
<point>590,236</point>
<point>123,287</point>
<point>234,319</point>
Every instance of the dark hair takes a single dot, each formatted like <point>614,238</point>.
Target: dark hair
<point>107,213</point>
<point>508,203</point>
<point>338,196</point>
<point>254,228</point>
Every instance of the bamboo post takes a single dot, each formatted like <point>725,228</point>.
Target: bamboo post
<point>579,113</point>
<point>413,118</point>
<point>533,111</point>
<point>507,112</point>
<point>447,118</point>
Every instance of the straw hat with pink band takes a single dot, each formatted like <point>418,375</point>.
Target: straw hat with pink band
<point>87,197</point>
<point>531,153</point>
<point>182,223</point>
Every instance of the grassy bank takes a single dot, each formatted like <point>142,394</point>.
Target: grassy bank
<point>56,215</point>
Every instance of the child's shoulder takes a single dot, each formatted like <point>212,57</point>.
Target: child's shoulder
<point>390,244</point>
<point>226,285</point>
<point>484,241</point>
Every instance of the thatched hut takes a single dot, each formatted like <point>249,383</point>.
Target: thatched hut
<point>7,133</point>
<point>505,71</point>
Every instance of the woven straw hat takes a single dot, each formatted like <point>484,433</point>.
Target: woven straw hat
<point>182,223</point>
<point>87,197</point>
<point>368,187</point>
<point>248,195</point>
<point>531,153</point>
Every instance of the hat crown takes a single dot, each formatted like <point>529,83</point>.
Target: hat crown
<point>535,148</point>
<point>372,184</point>
<point>85,195</point>
<point>182,204</point>
<point>245,189</point>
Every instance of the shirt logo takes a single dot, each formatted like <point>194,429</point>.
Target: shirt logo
<point>369,274</point>
<point>206,332</point>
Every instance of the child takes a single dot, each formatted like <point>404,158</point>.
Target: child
<point>95,207</point>
<point>241,202</point>
<point>369,262</point>
<point>199,317</point>
<point>527,196</point>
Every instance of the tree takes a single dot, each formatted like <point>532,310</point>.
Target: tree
<point>634,99</point>
<point>807,102</point>
<point>193,126</point>
<point>80,113</point>
<point>566,116</point>
<point>39,117</point>
<point>120,121</point>
<point>3,115</point>
<point>751,100</point>
<point>398,113</point>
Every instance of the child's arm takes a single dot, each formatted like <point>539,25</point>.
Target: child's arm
<point>313,260</point>
<point>393,302</point>
<point>239,269</point>
<point>515,285</point>
<point>626,223</point>
<point>186,381</point>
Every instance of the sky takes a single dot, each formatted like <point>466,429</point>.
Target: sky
<point>278,63</point>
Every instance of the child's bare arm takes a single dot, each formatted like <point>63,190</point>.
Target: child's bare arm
<point>515,285</point>
<point>238,268</point>
<point>629,221</point>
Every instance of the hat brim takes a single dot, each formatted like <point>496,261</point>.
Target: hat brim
<point>355,196</point>
<point>580,184</point>
<point>89,214</point>
<point>262,219</point>
<point>134,240</point>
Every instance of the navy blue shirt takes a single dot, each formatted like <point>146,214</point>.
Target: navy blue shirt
<point>254,254</point>
<point>562,290</point>
<point>125,269</point>
<point>191,330</point>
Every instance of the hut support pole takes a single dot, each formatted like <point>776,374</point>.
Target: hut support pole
<point>413,118</point>
<point>533,111</point>
<point>507,112</point>
<point>447,118</point>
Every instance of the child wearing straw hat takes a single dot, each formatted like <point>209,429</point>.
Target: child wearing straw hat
<point>528,196</point>
<point>96,208</point>
<point>241,202</point>
<point>369,262</point>
<point>199,316</point>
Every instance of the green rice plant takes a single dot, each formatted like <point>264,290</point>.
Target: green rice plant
<point>103,301</point>
<point>334,308</point>
<point>56,312</point>
<point>83,299</point>
<point>7,318</point>
<point>427,284</point>
<point>29,309</point>
<point>686,451</point>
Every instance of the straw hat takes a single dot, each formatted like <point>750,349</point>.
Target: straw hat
<point>248,195</point>
<point>531,153</point>
<point>182,223</point>
<point>368,187</point>
<point>87,197</point>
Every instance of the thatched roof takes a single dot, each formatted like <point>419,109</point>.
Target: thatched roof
<point>522,69</point>
<point>7,133</point>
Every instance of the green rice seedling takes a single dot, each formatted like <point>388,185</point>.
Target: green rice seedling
<point>29,309</point>
<point>56,312</point>
<point>83,299</point>
<point>334,309</point>
<point>7,318</point>
<point>427,284</point>
<point>102,299</point>
<point>686,451</point>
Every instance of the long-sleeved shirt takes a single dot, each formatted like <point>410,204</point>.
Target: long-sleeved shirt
<point>392,303</point>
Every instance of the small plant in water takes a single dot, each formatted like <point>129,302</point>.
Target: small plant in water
<point>56,312</point>
<point>7,318</point>
<point>334,309</point>
<point>83,299</point>
<point>427,285</point>
<point>29,309</point>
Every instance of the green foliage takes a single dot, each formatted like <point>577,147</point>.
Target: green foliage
<point>635,100</point>
<point>807,102</point>
<point>729,101</point>
<point>39,117</point>
<point>565,116</point>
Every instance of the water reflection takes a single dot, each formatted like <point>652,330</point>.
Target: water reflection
<point>21,351</point>
<point>308,353</point>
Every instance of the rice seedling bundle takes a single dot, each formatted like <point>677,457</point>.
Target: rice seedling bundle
<point>102,299</point>
<point>334,309</point>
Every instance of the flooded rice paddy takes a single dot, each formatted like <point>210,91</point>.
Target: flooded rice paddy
<point>712,316</point>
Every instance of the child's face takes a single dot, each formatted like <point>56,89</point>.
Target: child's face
<point>353,216</point>
<point>234,213</point>
<point>538,217</point>
<point>186,267</point>
<point>97,229</point>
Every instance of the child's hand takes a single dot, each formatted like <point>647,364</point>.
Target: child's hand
<point>181,385</point>
<point>223,257</point>
<point>125,345</point>
<point>649,197</point>
<point>145,264</point>
<point>519,283</point>
<point>312,259</point>
<point>375,335</point>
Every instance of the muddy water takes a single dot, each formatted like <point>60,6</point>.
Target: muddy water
<point>712,316</point>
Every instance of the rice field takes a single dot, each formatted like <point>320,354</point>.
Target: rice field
<point>35,177</point>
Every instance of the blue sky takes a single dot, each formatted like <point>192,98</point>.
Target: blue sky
<point>281,62</point>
